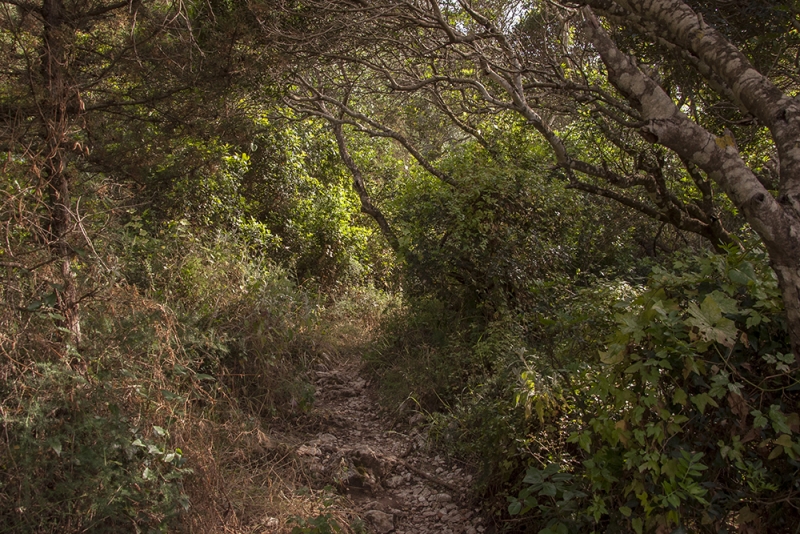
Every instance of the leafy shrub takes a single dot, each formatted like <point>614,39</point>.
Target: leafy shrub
<point>691,421</point>
<point>74,462</point>
<point>103,439</point>
<point>86,442</point>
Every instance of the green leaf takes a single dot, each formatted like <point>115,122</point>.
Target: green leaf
<point>633,368</point>
<point>710,323</point>
<point>777,451</point>
<point>637,525</point>
<point>548,489</point>
<point>55,444</point>
<point>585,441</point>
<point>533,476</point>
<point>613,356</point>
<point>624,510</point>
<point>679,397</point>
<point>759,419</point>
<point>725,303</point>
<point>742,274</point>
<point>550,470</point>
<point>702,400</point>
<point>778,418</point>
<point>170,396</point>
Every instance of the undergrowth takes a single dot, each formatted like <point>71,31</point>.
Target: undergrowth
<point>164,418</point>
<point>667,406</point>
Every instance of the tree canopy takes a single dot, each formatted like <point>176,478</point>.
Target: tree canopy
<point>569,230</point>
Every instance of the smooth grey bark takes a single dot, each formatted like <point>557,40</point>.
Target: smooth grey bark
<point>776,220</point>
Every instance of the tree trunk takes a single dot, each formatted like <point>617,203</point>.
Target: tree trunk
<point>789,281</point>
<point>777,221</point>
<point>55,59</point>
<point>358,184</point>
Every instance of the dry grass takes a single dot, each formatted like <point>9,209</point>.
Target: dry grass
<point>141,356</point>
<point>247,477</point>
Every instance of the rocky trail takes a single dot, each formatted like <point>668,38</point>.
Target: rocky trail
<point>389,479</point>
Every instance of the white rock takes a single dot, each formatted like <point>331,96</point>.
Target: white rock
<point>272,524</point>
<point>395,481</point>
<point>305,450</point>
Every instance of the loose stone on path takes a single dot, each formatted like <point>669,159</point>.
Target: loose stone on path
<point>392,484</point>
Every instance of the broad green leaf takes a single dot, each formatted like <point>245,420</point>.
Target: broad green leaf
<point>759,419</point>
<point>724,302</point>
<point>612,356</point>
<point>548,489</point>
<point>710,323</point>
<point>777,451</point>
<point>533,476</point>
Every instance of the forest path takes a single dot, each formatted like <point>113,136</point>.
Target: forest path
<point>389,479</point>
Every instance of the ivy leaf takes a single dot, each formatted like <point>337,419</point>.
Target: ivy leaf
<point>760,420</point>
<point>779,423</point>
<point>708,319</point>
<point>679,397</point>
<point>702,400</point>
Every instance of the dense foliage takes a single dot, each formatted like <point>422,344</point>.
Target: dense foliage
<point>201,200</point>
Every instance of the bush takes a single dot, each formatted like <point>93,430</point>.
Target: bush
<point>691,421</point>
<point>86,441</point>
<point>75,463</point>
<point>168,378</point>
